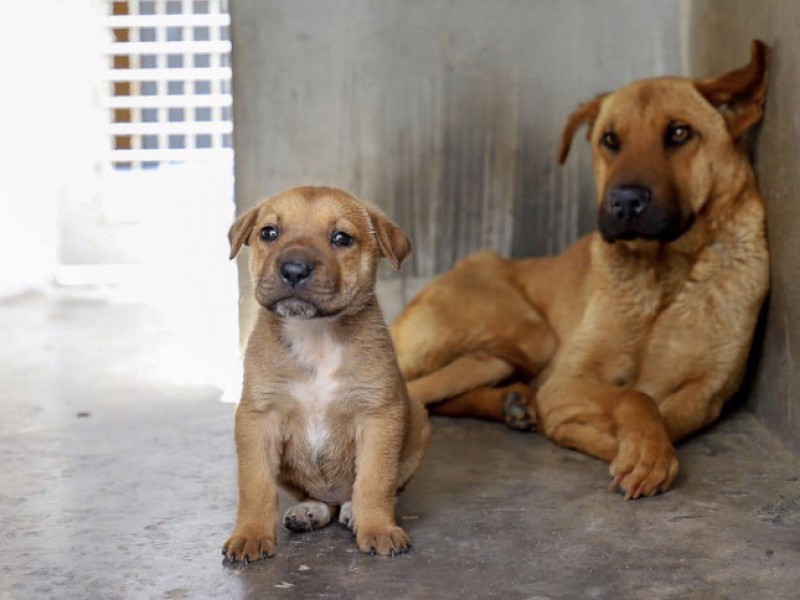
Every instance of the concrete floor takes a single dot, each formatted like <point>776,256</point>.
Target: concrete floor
<point>118,482</point>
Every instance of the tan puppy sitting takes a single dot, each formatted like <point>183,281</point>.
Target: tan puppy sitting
<point>324,411</point>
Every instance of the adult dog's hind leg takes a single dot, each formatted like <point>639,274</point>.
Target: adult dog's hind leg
<point>463,374</point>
<point>512,404</point>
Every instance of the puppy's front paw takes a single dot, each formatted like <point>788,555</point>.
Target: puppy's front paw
<point>249,543</point>
<point>387,541</point>
<point>307,516</point>
<point>644,466</point>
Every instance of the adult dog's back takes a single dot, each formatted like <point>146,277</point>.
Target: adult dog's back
<point>635,336</point>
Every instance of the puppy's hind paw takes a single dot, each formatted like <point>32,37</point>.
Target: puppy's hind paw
<point>307,516</point>
<point>346,516</point>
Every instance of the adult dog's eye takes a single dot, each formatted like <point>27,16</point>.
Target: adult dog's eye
<point>610,141</point>
<point>341,239</point>
<point>677,134</point>
<point>269,233</point>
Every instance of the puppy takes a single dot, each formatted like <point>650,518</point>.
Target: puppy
<point>324,411</point>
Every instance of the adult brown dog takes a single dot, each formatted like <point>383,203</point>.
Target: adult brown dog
<point>324,411</point>
<point>635,336</point>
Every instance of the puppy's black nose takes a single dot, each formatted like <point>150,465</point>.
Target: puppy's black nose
<point>295,272</point>
<point>628,201</point>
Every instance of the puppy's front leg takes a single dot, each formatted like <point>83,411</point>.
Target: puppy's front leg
<point>378,447</point>
<point>258,451</point>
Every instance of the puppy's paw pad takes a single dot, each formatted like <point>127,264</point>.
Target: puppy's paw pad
<point>307,516</point>
<point>386,541</point>
<point>517,413</point>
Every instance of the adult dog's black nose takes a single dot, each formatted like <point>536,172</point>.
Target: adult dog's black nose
<point>628,201</point>
<point>295,272</point>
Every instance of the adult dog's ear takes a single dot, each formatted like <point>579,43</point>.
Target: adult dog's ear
<point>740,94</point>
<point>239,233</point>
<point>585,113</point>
<point>392,241</point>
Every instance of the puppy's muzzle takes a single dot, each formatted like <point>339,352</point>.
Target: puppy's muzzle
<point>296,271</point>
<point>295,296</point>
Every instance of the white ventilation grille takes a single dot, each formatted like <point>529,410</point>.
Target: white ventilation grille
<point>169,82</point>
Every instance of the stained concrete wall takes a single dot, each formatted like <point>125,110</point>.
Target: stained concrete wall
<point>718,33</point>
<point>447,114</point>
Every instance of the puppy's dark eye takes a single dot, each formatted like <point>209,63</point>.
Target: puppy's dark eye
<point>677,134</point>
<point>610,141</point>
<point>269,233</point>
<point>341,239</point>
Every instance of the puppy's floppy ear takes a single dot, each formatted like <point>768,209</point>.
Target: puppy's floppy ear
<point>392,240</point>
<point>585,113</point>
<point>240,231</point>
<point>740,94</point>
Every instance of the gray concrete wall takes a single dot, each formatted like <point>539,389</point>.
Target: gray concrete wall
<point>718,33</point>
<point>446,114</point>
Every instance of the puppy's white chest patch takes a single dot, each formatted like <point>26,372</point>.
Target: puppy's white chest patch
<point>315,347</point>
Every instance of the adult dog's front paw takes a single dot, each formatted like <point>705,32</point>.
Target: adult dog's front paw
<point>249,543</point>
<point>388,540</point>
<point>645,465</point>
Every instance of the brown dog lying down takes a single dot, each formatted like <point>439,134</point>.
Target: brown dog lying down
<point>324,411</point>
<point>635,336</point>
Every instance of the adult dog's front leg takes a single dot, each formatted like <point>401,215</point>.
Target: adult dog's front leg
<point>374,494</point>
<point>257,447</point>
<point>620,426</point>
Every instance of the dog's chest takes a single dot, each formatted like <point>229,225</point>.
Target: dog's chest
<point>320,386</point>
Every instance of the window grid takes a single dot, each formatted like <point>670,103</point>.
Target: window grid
<point>169,81</point>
